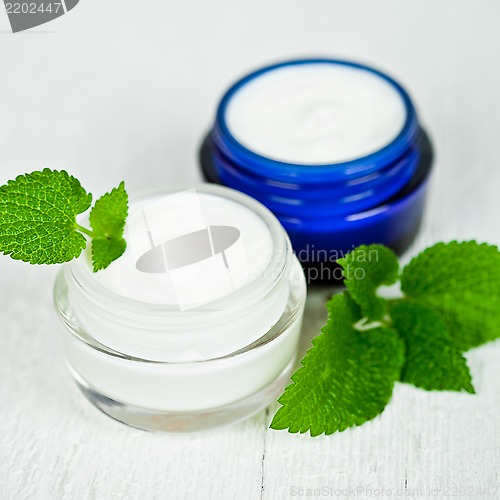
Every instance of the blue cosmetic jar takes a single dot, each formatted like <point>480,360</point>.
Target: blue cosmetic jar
<point>329,208</point>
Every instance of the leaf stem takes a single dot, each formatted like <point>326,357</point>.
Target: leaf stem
<point>84,230</point>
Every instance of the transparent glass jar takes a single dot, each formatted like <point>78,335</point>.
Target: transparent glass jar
<point>213,358</point>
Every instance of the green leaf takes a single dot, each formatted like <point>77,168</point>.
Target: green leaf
<point>433,361</point>
<point>105,251</point>
<point>38,217</point>
<point>461,282</point>
<point>365,269</point>
<point>346,378</point>
<point>107,220</point>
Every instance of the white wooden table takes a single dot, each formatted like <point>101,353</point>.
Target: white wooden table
<point>125,90</point>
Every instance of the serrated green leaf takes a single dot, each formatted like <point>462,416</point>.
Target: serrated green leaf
<point>346,378</point>
<point>365,269</point>
<point>105,251</point>
<point>433,361</point>
<point>107,220</point>
<point>38,217</point>
<point>461,282</point>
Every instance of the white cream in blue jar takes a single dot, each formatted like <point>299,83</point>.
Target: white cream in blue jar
<point>333,148</point>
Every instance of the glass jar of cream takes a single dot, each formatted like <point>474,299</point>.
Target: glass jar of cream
<point>333,148</point>
<point>197,324</point>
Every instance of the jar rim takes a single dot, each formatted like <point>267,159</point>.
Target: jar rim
<point>79,333</point>
<point>165,333</point>
<point>265,280</point>
<point>277,169</point>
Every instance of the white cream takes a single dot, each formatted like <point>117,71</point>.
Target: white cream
<point>185,326</point>
<point>316,114</point>
<point>166,218</point>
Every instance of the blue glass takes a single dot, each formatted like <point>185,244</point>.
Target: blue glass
<point>329,209</point>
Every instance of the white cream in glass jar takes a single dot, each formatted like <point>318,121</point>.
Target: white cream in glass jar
<point>197,324</point>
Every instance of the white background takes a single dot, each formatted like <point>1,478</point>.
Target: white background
<point>118,90</point>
